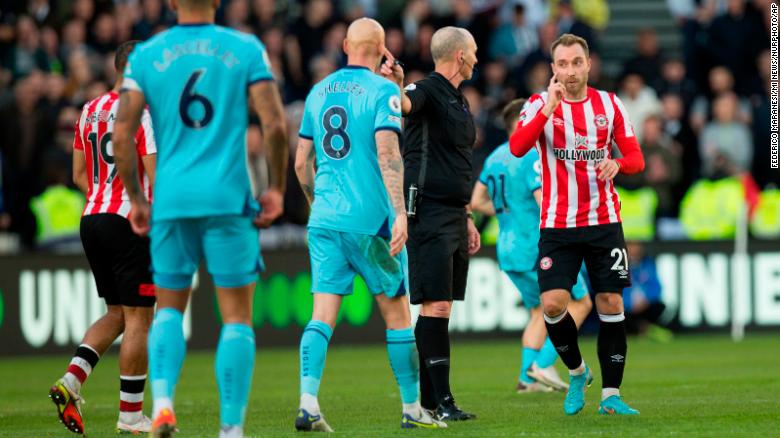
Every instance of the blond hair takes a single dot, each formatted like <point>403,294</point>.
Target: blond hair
<point>568,40</point>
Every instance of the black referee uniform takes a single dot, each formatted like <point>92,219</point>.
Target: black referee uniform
<point>438,138</point>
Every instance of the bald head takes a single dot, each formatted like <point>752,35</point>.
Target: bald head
<point>365,36</point>
<point>447,41</point>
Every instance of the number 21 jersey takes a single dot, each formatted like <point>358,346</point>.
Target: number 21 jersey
<point>341,116</point>
<point>195,79</point>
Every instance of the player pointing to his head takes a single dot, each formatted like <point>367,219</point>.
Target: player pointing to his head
<point>350,129</point>
<point>196,77</point>
<point>573,127</point>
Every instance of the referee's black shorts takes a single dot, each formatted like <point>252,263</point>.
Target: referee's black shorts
<point>601,247</point>
<point>438,253</point>
<point>119,259</point>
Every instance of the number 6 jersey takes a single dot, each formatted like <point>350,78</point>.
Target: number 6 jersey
<point>93,131</point>
<point>195,79</point>
<point>341,116</point>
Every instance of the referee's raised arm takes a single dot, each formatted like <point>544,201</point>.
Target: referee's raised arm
<point>439,136</point>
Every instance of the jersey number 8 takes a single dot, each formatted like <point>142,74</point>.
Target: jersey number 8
<point>335,123</point>
<point>189,97</point>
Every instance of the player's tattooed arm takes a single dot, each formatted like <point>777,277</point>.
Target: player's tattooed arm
<point>268,105</point>
<point>128,119</point>
<point>304,167</point>
<point>392,167</point>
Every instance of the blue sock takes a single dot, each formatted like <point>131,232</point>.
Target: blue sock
<point>529,355</point>
<point>547,355</point>
<point>166,352</point>
<point>314,347</point>
<point>235,364</point>
<point>402,351</point>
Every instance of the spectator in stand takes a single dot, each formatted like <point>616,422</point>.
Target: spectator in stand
<point>304,40</point>
<point>50,43</point>
<point>761,171</point>
<point>639,100</point>
<point>153,17</point>
<point>266,14</point>
<point>548,32</point>
<point>568,22</point>
<point>537,79</point>
<point>663,169</point>
<point>236,14</point>
<point>103,38</point>
<point>74,39</point>
<point>26,55</point>
<point>725,145</point>
<point>675,125</point>
<point>536,11</point>
<point>735,39</point>
<point>513,41</point>
<point>674,81</point>
<point>648,58</point>
<point>721,82</point>
<point>26,135</point>
<point>596,76</point>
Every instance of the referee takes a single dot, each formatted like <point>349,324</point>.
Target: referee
<point>438,138</point>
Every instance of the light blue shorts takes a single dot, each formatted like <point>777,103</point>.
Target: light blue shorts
<point>230,245</point>
<point>337,256</point>
<point>528,285</point>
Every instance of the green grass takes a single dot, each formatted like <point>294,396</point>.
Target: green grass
<point>695,386</point>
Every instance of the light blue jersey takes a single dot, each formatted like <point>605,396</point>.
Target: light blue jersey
<point>342,114</point>
<point>195,80</point>
<point>511,183</point>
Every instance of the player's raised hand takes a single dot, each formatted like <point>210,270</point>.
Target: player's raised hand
<point>392,70</point>
<point>607,169</point>
<point>139,217</point>
<point>272,203</point>
<point>555,93</point>
<point>399,235</point>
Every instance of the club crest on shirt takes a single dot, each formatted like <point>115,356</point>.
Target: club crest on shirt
<point>600,121</point>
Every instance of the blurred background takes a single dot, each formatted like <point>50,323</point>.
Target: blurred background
<point>704,217</point>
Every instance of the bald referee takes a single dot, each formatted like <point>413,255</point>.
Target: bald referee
<point>438,140</point>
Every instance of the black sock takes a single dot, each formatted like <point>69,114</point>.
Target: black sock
<point>433,343</point>
<point>612,348</point>
<point>563,334</point>
<point>427,396</point>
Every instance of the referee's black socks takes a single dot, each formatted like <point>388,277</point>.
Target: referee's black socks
<point>433,346</point>
<point>563,334</point>
<point>612,348</point>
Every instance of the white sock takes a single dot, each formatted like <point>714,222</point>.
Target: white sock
<point>231,432</point>
<point>580,370</point>
<point>310,404</point>
<point>160,404</point>
<point>72,382</point>
<point>609,392</point>
<point>413,409</point>
<point>130,417</point>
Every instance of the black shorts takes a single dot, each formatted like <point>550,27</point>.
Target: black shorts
<point>438,253</point>
<point>602,247</point>
<point>119,259</point>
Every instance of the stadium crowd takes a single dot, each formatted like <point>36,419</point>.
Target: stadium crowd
<point>704,114</point>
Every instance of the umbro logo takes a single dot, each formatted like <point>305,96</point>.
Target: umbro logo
<point>617,358</point>
<point>557,121</point>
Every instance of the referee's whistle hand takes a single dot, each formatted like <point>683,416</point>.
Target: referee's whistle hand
<point>475,241</point>
<point>400,235</point>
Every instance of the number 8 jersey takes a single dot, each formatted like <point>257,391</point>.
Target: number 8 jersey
<point>341,116</point>
<point>195,79</point>
<point>93,130</point>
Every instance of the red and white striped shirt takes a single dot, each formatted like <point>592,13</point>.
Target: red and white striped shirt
<point>94,128</point>
<point>571,144</point>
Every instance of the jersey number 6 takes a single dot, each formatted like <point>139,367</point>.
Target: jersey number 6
<point>189,97</point>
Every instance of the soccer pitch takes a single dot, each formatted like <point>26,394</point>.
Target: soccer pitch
<point>694,386</point>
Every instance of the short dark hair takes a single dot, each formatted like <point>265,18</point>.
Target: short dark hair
<point>511,113</point>
<point>122,53</point>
